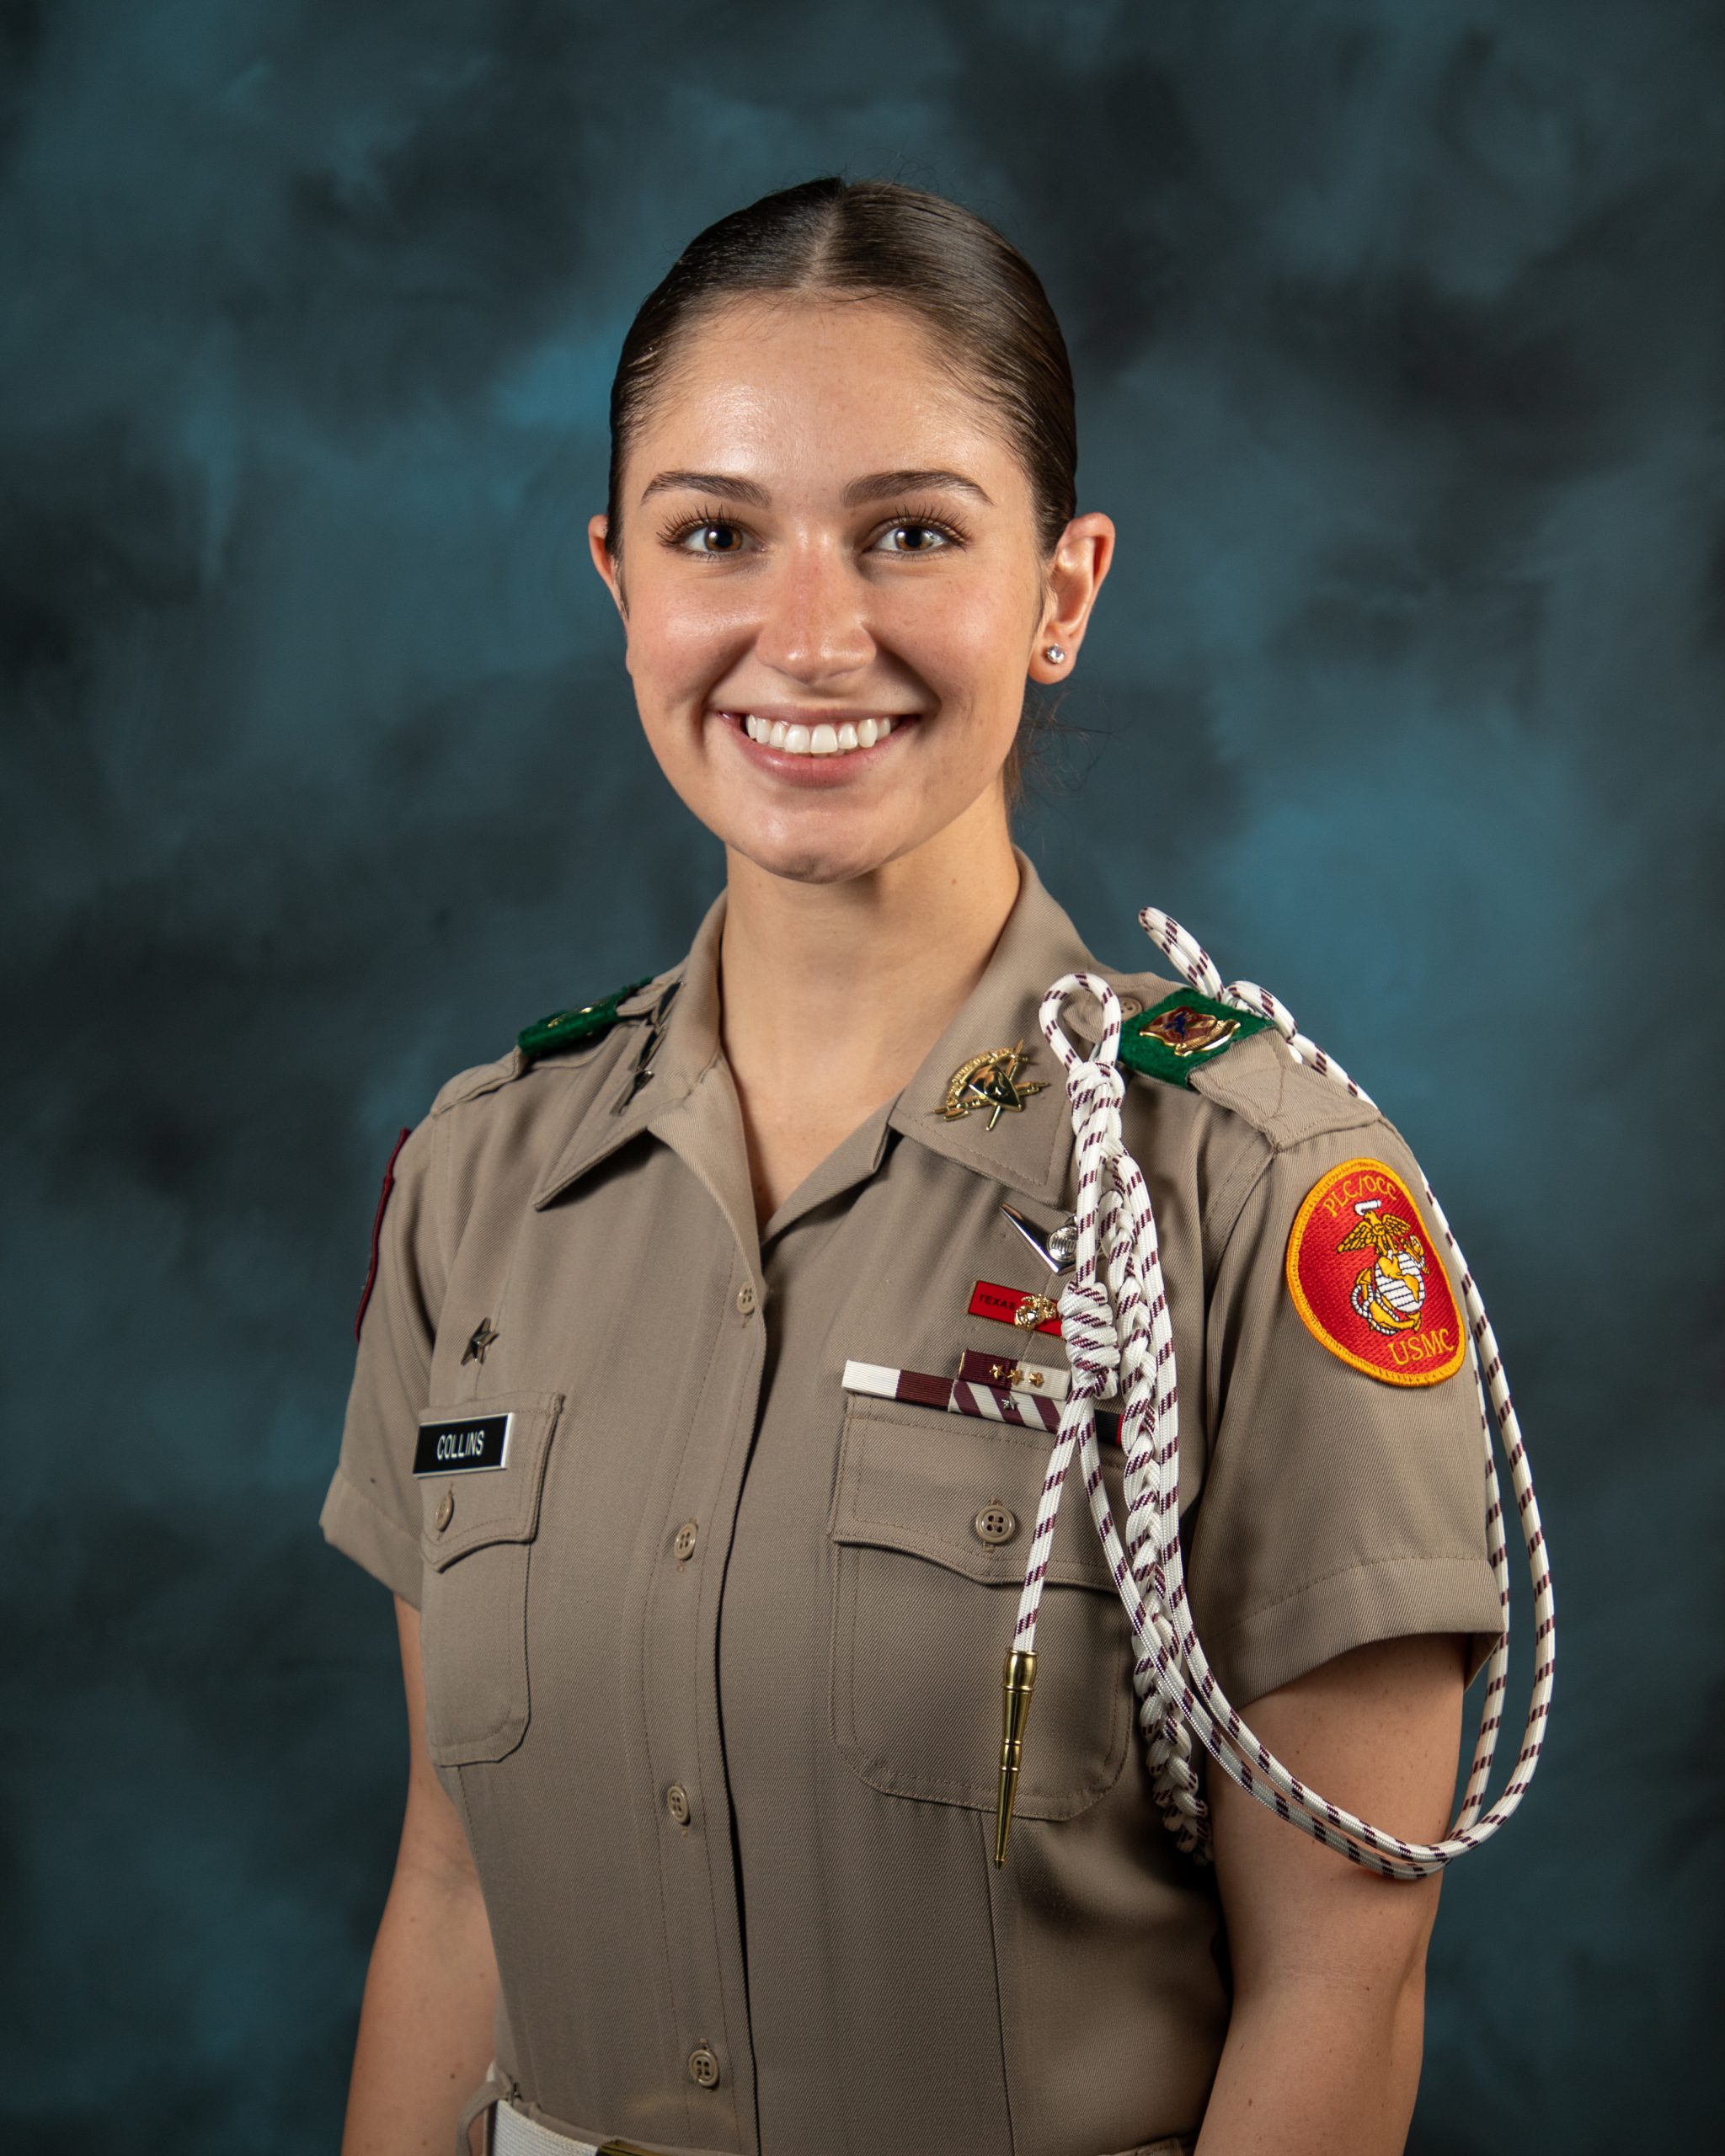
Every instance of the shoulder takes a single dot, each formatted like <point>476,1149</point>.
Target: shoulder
<point>1233,1060</point>
<point>493,1129</point>
<point>570,1047</point>
<point>1260,1124</point>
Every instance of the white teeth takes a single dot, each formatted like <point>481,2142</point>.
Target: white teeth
<point>824,739</point>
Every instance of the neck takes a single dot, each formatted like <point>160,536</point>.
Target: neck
<point>839,990</point>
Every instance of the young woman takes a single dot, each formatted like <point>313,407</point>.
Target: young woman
<point>701,1599</point>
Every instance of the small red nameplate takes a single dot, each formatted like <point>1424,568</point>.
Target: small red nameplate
<point>988,1299</point>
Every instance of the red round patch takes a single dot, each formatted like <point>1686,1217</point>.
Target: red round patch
<point>1367,1282</point>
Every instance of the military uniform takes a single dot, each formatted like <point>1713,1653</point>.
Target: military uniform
<point>712,1658</point>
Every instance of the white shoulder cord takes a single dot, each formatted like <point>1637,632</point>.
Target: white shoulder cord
<point>1115,1318</point>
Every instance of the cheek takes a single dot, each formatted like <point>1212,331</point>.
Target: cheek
<point>677,631</point>
<point>965,634</point>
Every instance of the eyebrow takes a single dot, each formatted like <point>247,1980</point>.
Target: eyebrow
<point>708,482</point>
<point>877,486</point>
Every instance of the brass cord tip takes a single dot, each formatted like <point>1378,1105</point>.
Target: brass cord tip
<point>1018,1682</point>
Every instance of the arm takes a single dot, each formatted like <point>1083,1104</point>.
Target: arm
<point>1323,2048</point>
<point>424,2039</point>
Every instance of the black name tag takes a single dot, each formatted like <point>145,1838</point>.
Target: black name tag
<point>462,1448</point>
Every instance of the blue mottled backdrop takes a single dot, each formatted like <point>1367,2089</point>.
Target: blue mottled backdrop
<point>1398,337</point>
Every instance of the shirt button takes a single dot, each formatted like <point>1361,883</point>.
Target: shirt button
<point>684,1541</point>
<point>704,2068</point>
<point>676,1803</point>
<point>745,1300</point>
<point>445,1510</point>
<point>994,1523</point>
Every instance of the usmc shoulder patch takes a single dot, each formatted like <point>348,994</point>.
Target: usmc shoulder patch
<point>565,1028</point>
<point>1173,1037</point>
<point>1366,1281</point>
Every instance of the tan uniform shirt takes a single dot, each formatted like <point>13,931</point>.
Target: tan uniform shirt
<point>712,1662</point>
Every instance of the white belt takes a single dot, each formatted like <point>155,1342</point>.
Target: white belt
<point>513,2133</point>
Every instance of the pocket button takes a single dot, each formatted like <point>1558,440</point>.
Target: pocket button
<point>994,1523</point>
<point>445,1510</point>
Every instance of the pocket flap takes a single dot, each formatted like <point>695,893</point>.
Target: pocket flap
<point>916,1479</point>
<point>466,1509</point>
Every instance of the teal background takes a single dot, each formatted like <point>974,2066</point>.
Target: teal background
<point>1397,332</point>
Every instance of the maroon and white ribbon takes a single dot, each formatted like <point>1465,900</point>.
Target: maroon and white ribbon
<point>1115,1318</point>
<point>961,1396</point>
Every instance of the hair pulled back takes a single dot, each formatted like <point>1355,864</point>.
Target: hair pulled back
<point>981,303</point>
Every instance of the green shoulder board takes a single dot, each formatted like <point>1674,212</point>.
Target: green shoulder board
<point>564,1028</point>
<point>1181,1033</point>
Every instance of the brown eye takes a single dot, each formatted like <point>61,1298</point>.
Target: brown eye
<point>715,538</point>
<point>919,538</point>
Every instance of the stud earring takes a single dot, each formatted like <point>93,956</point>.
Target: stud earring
<point>1053,653</point>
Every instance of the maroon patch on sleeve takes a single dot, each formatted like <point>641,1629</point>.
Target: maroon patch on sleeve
<point>378,1230</point>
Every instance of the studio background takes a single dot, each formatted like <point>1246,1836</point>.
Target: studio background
<point>1397,334</point>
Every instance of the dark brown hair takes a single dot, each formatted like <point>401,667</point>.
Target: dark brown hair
<point>980,301</point>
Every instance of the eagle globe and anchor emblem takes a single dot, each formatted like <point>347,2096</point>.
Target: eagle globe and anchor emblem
<point>1389,1293</point>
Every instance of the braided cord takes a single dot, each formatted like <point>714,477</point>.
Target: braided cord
<point>1118,1336</point>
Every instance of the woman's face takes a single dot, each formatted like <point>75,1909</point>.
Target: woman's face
<point>823,531</point>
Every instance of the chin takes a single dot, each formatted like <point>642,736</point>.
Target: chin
<point>808,862</point>
<point>844,850</point>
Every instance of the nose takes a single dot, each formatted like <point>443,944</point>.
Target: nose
<point>814,623</point>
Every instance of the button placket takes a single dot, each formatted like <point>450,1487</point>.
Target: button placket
<point>695,1856</point>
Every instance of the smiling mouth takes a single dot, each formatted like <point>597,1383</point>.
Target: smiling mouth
<point>825,737</point>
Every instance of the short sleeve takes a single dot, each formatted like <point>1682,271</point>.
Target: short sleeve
<point>371,1512</point>
<point>1345,1495</point>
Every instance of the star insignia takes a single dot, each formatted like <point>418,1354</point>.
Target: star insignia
<point>483,1335</point>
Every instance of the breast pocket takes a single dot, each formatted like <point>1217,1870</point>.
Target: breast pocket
<point>479,1525</point>
<point>932,1518</point>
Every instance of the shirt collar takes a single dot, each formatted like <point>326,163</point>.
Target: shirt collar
<point>685,1046</point>
<point>1028,1149</point>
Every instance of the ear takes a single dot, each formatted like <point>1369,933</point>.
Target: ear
<point>1081,562</point>
<point>598,528</point>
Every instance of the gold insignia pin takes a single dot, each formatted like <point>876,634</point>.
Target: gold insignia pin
<point>483,1335</point>
<point>990,1080</point>
<point>1188,1032</point>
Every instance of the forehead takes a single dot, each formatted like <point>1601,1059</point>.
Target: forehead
<point>818,385</point>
